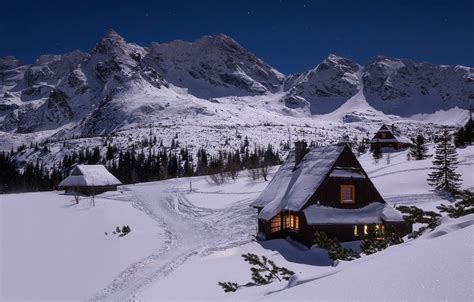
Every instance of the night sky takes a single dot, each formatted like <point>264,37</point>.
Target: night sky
<point>292,36</point>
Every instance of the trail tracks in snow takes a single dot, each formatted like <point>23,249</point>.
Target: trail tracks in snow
<point>190,231</point>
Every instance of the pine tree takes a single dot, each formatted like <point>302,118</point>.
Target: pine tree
<point>465,135</point>
<point>377,152</point>
<point>418,149</point>
<point>362,147</point>
<point>444,176</point>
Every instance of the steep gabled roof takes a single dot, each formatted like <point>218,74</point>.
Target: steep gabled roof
<point>89,175</point>
<point>290,189</point>
<point>398,138</point>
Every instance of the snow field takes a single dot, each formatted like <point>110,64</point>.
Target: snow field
<point>52,248</point>
<point>185,241</point>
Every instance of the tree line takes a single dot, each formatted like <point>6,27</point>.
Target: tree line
<point>132,166</point>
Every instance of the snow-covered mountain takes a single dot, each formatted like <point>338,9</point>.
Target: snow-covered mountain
<point>213,66</point>
<point>405,87</point>
<point>212,80</point>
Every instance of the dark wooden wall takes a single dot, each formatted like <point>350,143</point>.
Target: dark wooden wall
<point>328,193</point>
<point>90,190</point>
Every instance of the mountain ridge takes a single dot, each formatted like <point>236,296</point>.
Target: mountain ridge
<point>120,83</point>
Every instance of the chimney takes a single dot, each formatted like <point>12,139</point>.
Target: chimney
<point>300,151</point>
<point>393,128</point>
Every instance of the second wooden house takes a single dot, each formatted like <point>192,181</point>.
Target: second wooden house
<point>389,137</point>
<point>323,189</point>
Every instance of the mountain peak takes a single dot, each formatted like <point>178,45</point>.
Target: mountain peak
<point>110,41</point>
<point>113,35</point>
<point>9,62</point>
<point>335,61</point>
<point>220,41</point>
<point>334,57</point>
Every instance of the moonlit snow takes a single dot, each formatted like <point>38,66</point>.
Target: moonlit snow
<point>184,240</point>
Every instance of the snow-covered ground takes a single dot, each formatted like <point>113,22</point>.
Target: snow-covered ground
<point>52,248</point>
<point>184,241</point>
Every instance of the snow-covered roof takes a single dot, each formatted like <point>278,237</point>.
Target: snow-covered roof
<point>402,138</point>
<point>346,173</point>
<point>291,188</point>
<point>375,212</point>
<point>398,139</point>
<point>90,175</point>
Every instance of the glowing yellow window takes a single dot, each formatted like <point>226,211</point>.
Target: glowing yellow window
<point>347,193</point>
<point>292,222</point>
<point>356,231</point>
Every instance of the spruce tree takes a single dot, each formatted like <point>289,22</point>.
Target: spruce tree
<point>444,176</point>
<point>377,152</point>
<point>418,149</point>
<point>465,135</point>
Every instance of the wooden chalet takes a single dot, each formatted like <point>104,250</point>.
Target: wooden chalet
<point>89,180</point>
<point>323,189</point>
<point>388,137</point>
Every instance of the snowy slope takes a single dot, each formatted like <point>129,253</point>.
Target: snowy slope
<point>52,249</point>
<point>195,237</point>
<point>405,272</point>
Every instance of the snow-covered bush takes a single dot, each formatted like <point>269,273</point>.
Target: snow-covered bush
<point>414,215</point>
<point>461,208</point>
<point>334,248</point>
<point>264,271</point>
<point>375,242</point>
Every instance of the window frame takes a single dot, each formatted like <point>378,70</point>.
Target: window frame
<point>341,190</point>
<point>291,221</point>
<point>275,224</point>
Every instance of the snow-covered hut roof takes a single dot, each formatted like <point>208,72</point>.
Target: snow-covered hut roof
<point>291,188</point>
<point>398,138</point>
<point>375,212</point>
<point>89,175</point>
<point>402,138</point>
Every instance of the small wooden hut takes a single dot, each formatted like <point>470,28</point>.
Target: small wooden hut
<point>89,180</point>
<point>388,137</point>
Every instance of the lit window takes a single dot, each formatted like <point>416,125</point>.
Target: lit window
<point>295,222</point>
<point>356,231</point>
<point>347,194</point>
<point>291,221</point>
<point>366,229</point>
<point>379,229</point>
<point>275,224</point>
